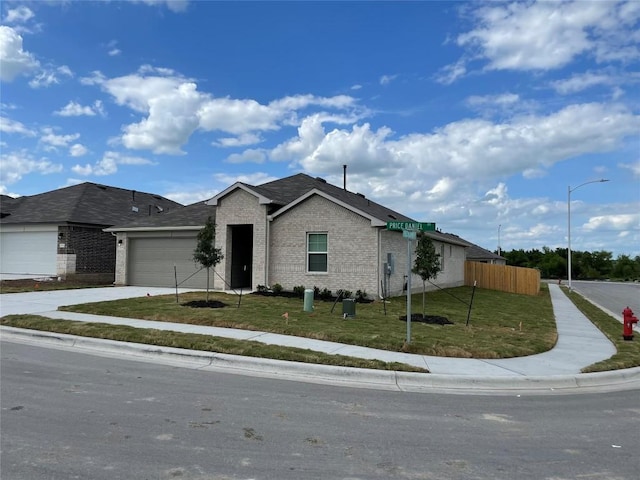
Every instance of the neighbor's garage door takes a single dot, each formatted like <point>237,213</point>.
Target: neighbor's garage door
<point>151,262</point>
<point>28,252</point>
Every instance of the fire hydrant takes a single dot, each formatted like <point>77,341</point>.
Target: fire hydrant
<point>628,319</point>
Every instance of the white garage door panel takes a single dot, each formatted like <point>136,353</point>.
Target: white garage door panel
<point>151,262</point>
<point>28,252</point>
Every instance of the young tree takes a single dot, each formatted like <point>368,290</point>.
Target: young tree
<point>206,254</point>
<point>426,264</point>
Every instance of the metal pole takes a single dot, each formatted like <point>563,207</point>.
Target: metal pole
<point>569,190</point>
<point>499,239</point>
<point>408,290</point>
<point>569,235</point>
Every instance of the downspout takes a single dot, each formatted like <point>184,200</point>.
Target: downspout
<point>267,260</point>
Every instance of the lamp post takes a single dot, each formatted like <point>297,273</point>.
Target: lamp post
<point>569,190</point>
<point>499,240</point>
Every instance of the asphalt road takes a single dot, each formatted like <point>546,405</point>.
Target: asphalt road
<point>69,415</point>
<point>613,296</point>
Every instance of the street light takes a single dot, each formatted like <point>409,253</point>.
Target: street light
<point>569,190</point>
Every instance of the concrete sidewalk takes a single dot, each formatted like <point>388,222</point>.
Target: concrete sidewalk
<point>579,344</point>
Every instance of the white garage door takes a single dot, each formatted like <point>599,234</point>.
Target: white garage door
<point>151,262</point>
<point>31,253</point>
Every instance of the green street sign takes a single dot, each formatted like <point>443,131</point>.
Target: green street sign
<point>413,226</point>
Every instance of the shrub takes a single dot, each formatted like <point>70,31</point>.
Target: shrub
<point>361,296</point>
<point>346,293</point>
<point>316,292</point>
<point>262,289</point>
<point>276,288</point>
<point>299,291</point>
<point>325,294</point>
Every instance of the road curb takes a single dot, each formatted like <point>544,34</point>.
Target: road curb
<point>626,379</point>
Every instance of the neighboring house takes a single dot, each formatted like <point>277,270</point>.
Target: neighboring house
<point>296,231</point>
<point>479,254</point>
<point>61,232</point>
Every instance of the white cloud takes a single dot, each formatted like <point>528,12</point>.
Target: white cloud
<point>248,156</point>
<point>173,5</point>
<point>243,139</point>
<point>502,99</point>
<point>623,222</point>
<point>633,167</point>
<point>73,109</point>
<point>50,138</point>
<point>49,77</point>
<point>175,109</point>
<point>387,79</point>
<point>582,81</point>
<point>12,126</point>
<point>540,35</point>
<point>13,59</point>
<point>114,52</point>
<point>108,165</point>
<point>18,15</point>
<point>356,87</point>
<point>257,178</point>
<point>78,150</point>
<point>16,165</point>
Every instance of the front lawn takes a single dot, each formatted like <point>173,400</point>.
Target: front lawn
<point>501,325</point>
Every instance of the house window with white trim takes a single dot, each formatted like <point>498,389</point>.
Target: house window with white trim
<point>317,252</point>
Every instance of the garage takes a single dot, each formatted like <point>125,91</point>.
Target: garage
<point>151,262</point>
<point>26,252</point>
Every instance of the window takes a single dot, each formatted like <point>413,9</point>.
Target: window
<point>442,257</point>
<point>317,252</point>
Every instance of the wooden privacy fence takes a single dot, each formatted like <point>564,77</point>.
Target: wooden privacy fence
<point>505,278</point>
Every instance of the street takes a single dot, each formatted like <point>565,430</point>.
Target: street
<point>613,296</point>
<point>70,415</point>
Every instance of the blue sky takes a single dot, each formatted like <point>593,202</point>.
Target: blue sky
<point>477,116</point>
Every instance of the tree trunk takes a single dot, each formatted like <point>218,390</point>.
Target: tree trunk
<point>424,288</point>
<point>207,285</point>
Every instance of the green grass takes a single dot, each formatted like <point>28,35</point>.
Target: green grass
<point>191,341</point>
<point>628,352</point>
<point>32,285</point>
<point>502,325</point>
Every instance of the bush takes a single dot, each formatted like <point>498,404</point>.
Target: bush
<point>299,291</point>
<point>361,296</point>
<point>325,294</point>
<point>316,292</point>
<point>262,289</point>
<point>346,293</point>
<point>276,288</point>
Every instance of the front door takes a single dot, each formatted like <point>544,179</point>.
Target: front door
<point>241,255</point>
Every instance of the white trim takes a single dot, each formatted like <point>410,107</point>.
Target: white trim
<point>309,252</point>
<point>262,200</point>
<point>375,222</point>
<point>153,229</point>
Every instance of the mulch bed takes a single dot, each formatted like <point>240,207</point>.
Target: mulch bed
<point>204,304</point>
<point>432,319</point>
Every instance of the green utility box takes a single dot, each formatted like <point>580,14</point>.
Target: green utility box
<point>348,307</point>
<point>308,300</point>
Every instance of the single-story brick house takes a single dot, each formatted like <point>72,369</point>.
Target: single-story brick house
<point>61,232</point>
<point>296,231</point>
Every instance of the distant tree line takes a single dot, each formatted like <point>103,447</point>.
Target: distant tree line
<point>584,265</point>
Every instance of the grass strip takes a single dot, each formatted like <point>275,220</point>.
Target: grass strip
<point>191,341</point>
<point>502,325</point>
<point>628,352</point>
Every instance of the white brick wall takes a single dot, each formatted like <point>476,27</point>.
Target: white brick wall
<point>241,208</point>
<point>352,248</point>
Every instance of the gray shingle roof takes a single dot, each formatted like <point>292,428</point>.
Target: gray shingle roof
<point>87,203</point>
<point>286,190</point>
<point>474,252</point>
<point>194,215</point>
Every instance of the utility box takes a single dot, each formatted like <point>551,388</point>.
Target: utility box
<point>348,307</point>
<point>308,300</point>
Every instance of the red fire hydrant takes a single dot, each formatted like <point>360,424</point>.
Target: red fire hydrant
<point>628,319</point>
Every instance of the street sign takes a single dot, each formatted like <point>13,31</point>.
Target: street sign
<point>415,226</point>
<point>409,234</point>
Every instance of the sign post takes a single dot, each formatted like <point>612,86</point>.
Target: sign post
<point>409,230</point>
